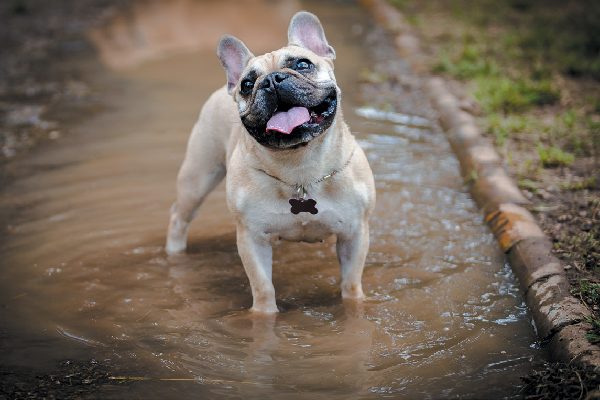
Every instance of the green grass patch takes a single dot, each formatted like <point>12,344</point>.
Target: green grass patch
<point>568,39</point>
<point>552,156</point>
<point>587,244</point>
<point>584,247</point>
<point>501,127</point>
<point>594,129</point>
<point>467,64</point>
<point>581,184</point>
<point>569,118</point>
<point>588,292</point>
<point>554,35</point>
<point>370,76</point>
<point>502,94</point>
<point>593,335</point>
<point>528,184</point>
<point>401,4</point>
<point>517,57</point>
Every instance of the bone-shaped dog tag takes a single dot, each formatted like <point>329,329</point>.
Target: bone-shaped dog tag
<point>302,205</point>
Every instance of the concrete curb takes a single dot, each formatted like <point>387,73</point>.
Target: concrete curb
<point>559,317</point>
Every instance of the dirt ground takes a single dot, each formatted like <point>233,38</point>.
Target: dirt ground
<point>70,380</point>
<point>35,35</point>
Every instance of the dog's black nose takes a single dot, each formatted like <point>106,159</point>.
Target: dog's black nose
<point>278,77</point>
<point>273,80</point>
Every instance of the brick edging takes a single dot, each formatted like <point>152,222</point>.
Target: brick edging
<point>559,317</point>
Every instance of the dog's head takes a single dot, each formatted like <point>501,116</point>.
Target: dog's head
<point>287,97</point>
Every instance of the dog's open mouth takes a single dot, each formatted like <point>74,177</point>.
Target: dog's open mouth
<point>289,119</point>
<point>293,119</point>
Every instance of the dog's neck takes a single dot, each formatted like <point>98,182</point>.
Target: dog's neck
<point>306,164</point>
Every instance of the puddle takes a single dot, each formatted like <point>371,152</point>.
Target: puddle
<point>391,116</point>
<point>84,273</point>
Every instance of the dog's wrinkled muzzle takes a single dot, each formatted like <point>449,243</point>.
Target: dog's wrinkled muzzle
<point>288,111</point>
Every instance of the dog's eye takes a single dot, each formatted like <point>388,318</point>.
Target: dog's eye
<point>246,86</point>
<point>303,65</point>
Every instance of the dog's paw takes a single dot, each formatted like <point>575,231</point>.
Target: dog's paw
<point>173,247</point>
<point>353,291</point>
<point>264,309</point>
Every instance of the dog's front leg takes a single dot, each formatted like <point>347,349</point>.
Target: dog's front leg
<point>351,252</point>
<point>257,256</point>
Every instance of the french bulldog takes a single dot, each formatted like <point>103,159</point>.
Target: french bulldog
<point>294,170</point>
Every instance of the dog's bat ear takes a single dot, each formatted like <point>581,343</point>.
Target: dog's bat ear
<point>234,56</point>
<point>305,30</point>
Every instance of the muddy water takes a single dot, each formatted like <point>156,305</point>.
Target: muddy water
<point>84,273</point>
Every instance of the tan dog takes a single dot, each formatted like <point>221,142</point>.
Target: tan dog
<point>294,170</point>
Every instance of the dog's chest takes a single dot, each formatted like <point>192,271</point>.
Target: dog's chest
<point>306,227</point>
<point>279,223</point>
<point>262,205</point>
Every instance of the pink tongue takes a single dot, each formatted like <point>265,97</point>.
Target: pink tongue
<point>286,121</point>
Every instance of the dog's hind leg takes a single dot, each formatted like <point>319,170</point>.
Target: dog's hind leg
<point>189,198</point>
<point>202,170</point>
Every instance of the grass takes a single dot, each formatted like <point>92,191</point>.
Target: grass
<point>551,156</point>
<point>502,127</point>
<point>502,94</point>
<point>528,184</point>
<point>562,35</point>
<point>560,381</point>
<point>588,245</point>
<point>580,184</point>
<point>588,292</point>
<point>518,59</point>
<point>583,248</point>
<point>494,90</point>
<point>506,96</point>
<point>575,51</point>
<point>468,63</point>
<point>593,336</point>
<point>371,76</point>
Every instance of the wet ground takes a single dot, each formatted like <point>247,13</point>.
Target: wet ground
<point>84,274</point>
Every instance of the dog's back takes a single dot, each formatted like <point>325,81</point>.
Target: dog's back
<point>217,118</point>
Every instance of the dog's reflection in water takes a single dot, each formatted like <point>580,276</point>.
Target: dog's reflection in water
<point>314,336</point>
<point>336,345</point>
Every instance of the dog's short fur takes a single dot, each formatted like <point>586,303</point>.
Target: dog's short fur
<point>264,165</point>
